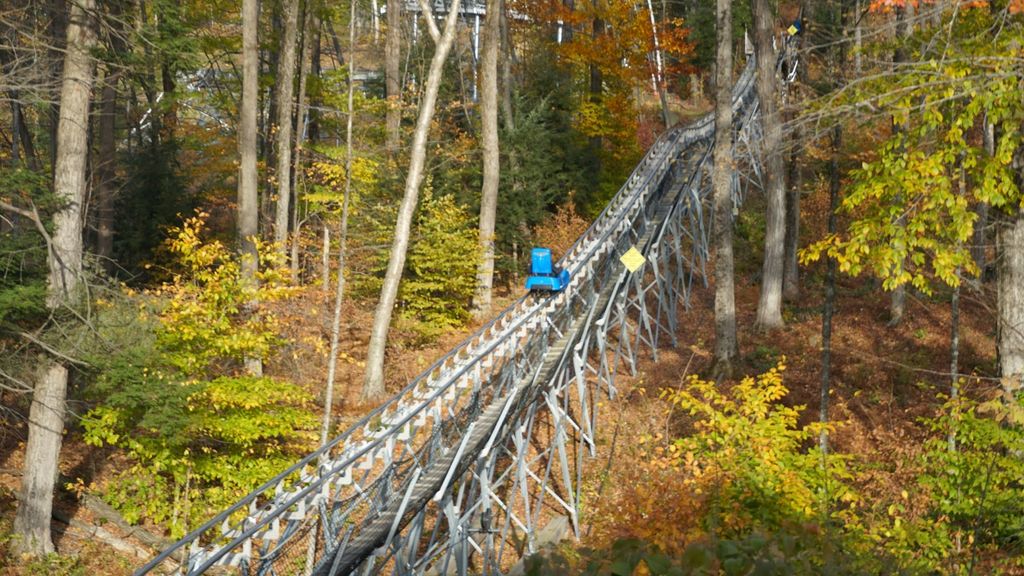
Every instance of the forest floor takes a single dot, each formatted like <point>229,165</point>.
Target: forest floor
<point>884,380</point>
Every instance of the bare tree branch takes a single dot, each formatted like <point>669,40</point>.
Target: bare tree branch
<point>428,15</point>
<point>51,349</point>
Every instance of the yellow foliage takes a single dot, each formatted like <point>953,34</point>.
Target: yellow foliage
<point>211,315</point>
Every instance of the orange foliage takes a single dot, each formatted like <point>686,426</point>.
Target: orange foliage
<point>560,230</point>
<point>886,6</point>
<point>650,500</point>
<point>623,50</point>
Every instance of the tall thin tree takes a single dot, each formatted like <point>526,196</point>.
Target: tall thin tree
<point>248,201</point>
<point>392,75</point>
<point>830,291</point>
<point>769,306</point>
<point>491,156</point>
<point>373,386</point>
<point>726,345</point>
<point>339,289</point>
<point>898,297</point>
<point>794,186</point>
<point>283,135</point>
<point>46,414</point>
<point>105,171</point>
<point>794,176</point>
<point>310,23</point>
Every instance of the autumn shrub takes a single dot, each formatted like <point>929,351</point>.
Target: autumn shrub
<point>742,491</point>
<point>748,449</point>
<point>649,501</point>
<point>199,435</point>
<point>208,319</point>
<point>561,230</point>
<point>198,446</point>
<point>440,276</point>
<point>792,553</point>
<point>971,491</point>
<point>980,478</point>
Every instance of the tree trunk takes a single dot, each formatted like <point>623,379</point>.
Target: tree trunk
<point>954,352</point>
<point>339,291</point>
<point>314,113</point>
<point>954,314</point>
<point>57,10</point>
<point>769,306</point>
<point>393,75</point>
<point>726,346</point>
<point>294,259</point>
<point>1010,300</point>
<point>373,387</point>
<point>857,38</point>
<point>978,242</point>
<point>325,259</point>
<point>46,416</point>
<point>506,73</point>
<point>898,301</point>
<point>659,75</point>
<point>248,200</point>
<point>310,23</point>
<point>492,161</point>
<point>696,89</point>
<point>596,93</point>
<point>169,121</point>
<point>791,264</point>
<point>42,453</point>
<point>105,169</point>
<point>285,83</point>
<point>375,21</point>
<point>794,179</point>
<point>830,290</point>
<point>22,135</point>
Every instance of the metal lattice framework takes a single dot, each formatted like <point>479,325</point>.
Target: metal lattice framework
<point>455,473</point>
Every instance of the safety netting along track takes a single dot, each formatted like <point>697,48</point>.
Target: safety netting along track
<point>448,476</point>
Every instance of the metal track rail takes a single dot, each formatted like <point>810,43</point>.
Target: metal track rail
<point>454,473</point>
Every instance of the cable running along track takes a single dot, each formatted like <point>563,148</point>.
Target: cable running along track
<point>455,473</point>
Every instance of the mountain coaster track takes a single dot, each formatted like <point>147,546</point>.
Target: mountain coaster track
<point>447,476</point>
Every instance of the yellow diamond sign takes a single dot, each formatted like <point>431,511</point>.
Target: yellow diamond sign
<point>632,259</point>
<point>793,30</point>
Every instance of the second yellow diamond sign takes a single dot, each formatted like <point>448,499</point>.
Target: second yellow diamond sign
<point>632,259</point>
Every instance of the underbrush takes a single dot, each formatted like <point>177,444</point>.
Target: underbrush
<point>744,489</point>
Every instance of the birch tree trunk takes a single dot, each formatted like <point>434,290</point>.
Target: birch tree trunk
<point>769,306</point>
<point>726,347</point>
<point>46,415</point>
<point>248,201</point>
<point>1010,300</point>
<point>373,386</point>
<point>492,161</point>
<point>285,82</point>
